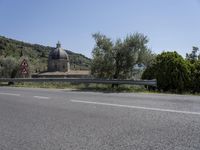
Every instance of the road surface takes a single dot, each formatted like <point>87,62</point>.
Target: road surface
<point>47,119</point>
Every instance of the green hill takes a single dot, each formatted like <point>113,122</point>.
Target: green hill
<point>38,54</point>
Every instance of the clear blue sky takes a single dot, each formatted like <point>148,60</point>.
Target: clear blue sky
<point>169,24</point>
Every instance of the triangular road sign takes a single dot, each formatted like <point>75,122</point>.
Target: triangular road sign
<point>24,63</point>
<point>24,71</point>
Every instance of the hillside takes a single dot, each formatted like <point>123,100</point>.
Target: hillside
<point>38,54</point>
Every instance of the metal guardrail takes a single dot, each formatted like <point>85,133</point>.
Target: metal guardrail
<point>81,80</point>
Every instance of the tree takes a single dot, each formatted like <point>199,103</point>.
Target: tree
<point>21,53</point>
<point>171,71</point>
<point>150,72</point>
<point>103,60</point>
<point>193,60</point>
<point>194,84</point>
<point>195,77</point>
<point>193,56</point>
<point>116,59</point>
<point>9,67</point>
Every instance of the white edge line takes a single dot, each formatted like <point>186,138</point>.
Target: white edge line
<point>137,107</point>
<point>11,94</point>
<point>41,97</point>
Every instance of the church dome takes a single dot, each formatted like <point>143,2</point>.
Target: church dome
<point>58,60</point>
<point>58,53</point>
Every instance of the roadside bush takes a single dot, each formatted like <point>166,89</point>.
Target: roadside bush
<point>8,67</point>
<point>149,74</point>
<point>195,77</point>
<point>171,71</point>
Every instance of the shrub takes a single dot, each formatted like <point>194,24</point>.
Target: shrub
<point>8,67</point>
<point>149,74</point>
<point>171,71</point>
<point>195,77</point>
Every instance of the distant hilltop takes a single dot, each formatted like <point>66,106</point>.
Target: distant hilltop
<point>38,54</point>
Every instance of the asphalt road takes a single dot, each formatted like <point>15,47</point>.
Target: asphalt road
<point>43,119</point>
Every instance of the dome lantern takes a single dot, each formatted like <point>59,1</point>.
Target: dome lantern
<point>58,45</point>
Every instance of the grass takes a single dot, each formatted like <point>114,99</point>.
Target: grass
<point>55,85</point>
<point>106,88</point>
<point>83,87</point>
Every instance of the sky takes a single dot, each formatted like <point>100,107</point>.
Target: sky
<point>170,25</point>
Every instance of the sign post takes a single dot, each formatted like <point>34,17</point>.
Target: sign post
<point>24,68</point>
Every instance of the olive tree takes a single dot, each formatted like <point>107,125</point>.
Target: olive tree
<point>116,59</point>
<point>8,67</point>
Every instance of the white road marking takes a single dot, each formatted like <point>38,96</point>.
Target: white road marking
<point>137,107</point>
<point>41,97</point>
<point>12,94</point>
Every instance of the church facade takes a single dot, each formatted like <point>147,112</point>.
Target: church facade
<point>58,60</point>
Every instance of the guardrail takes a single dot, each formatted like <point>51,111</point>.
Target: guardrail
<point>81,80</point>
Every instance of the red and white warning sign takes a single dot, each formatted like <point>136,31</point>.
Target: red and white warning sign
<point>24,71</point>
<point>24,67</point>
<point>24,63</point>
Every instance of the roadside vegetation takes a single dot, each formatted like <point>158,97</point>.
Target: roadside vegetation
<point>82,87</point>
<point>37,55</point>
<point>174,73</point>
<point>117,59</point>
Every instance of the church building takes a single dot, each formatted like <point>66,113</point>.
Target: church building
<point>58,60</point>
